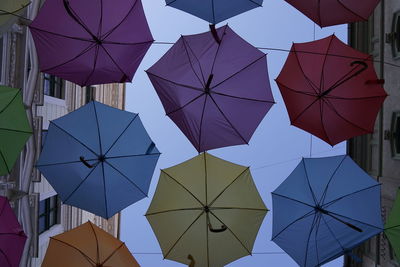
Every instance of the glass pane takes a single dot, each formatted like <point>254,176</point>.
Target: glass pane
<point>397,133</point>
<point>42,224</point>
<point>1,58</point>
<point>53,202</point>
<point>52,218</point>
<point>397,31</point>
<point>42,207</point>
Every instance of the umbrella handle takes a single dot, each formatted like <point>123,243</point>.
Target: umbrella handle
<point>223,228</point>
<point>192,261</point>
<point>214,33</point>
<point>82,159</point>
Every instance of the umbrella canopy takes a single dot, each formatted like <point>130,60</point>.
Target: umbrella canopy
<point>91,42</point>
<point>10,10</point>
<point>98,158</point>
<point>326,207</point>
<point>331,90</point>
<point>86,246</point>
<point>328,13</point>
<point>215,88</point>
<point>214,11</point>
<point>12,236</point>
<point>14,127</point>
<point>206,212</point>
<point>392,226</point>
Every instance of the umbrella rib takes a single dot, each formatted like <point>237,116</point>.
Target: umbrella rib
<point>176,242</point>
<point>100,27</point>
<point>6,257</point>
<point>304,111</point>
<point>129,180</point>
<point>5,12</point>
<point>349,218</point>
<point>321,79</point>
<point>79,185</point>
<point>120,43</point>
<point>213,10</point>
<point>104,189</point>
<point>353,98</point>
<point>17,131</point>
<point>87,49</point>
<point>330,105</point>
<point>198,200</point>
<point>97,244</point>
<point>332,233</point>
<point>185,105</point>
<point>319,12</point>
<point>314,223</point>
<point>315,237</point>
<point>230,230</point>
<point>306,204</point>
<point>330,179</point>
<point>73,137</point>
<point>200,130</point>
<point>116,26</point>
<point>203,83</point>
<point>61,35</point>
<point>98,127</point>
<point>165,211</point>
<point>302,71</point>
<point>308,182</point>
<point>255,3</point>
<point>218,49</point>
<point>130,156</point>
<point>4,160</point>
<point>321,110</point>
<point>205,173</point>
<point>237,208</point>
<point>312,212</point>
<point>181,85</point>
<point>223,114</point>
<point>351,11</point>
<point>80,251</point>
<point>77,19</point>
<point>234,180</point>
<point>244,98</point>
<point>96,54</point>
<point>112,254</point>
<point>122,133</point>
<point>233,75</point>
<point>11,101</point>
<point>115,63</point>
<point>295,91</point>
<point>62,163</point>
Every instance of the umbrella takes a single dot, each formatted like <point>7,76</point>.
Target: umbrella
<point>91,42</point>
<point>12,236</point>
<point>214,11</point>
<point>86,246</point>
<point>206,212</point>
<point>326,207</point>
<point>14,127</point>
<point>98,158</point>
<point>331,90</point>
<point>328,13</point>
<point>392,226</point>
<point>10,10</point>
<point>214,87</point>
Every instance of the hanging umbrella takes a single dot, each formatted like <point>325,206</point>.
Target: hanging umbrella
<point>12,236</point>
<point>206,212</point>
<point>214,87</point>
<point>98,158</point>
<point>392,226</point>
<point>91,42</point>
<point>326,207</point>
<point>14,127</point>
<point>328,13</point>
<point>10,11</point>
<point>214,11</point>
<point>86,246</point>
<point>331,90</point>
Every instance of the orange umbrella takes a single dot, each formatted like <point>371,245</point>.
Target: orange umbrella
<point>87,246</point>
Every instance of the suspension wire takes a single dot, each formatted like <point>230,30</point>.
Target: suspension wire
<point>253,253</point>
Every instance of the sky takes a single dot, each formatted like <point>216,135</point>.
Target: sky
<point>275,148</point>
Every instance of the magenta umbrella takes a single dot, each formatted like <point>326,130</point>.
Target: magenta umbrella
<point>215,87</point>
<point>12,236</point>
<point>92,41</point>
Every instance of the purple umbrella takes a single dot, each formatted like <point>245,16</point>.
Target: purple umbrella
<point>215,87</point>
<point>12,237</point>
<point>91,41</point>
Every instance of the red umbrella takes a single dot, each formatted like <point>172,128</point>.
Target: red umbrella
<point>331,90</point>
<point>333,12</point>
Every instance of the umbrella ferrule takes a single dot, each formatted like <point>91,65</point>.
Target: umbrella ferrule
<point>206,209</point>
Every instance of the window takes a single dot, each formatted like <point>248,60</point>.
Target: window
<point>395,135</point>
<point>90,93</point>
<point>48,213</point>
<point>395,35</point>
<point>53,86</point>
<point>3,45</point>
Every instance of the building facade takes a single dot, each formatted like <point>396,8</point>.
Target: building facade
<point>379,153</point>
<point>46,97</point>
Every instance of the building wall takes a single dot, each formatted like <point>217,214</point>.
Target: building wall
<point>374,152</point>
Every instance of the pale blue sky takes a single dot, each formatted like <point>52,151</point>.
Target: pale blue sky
<point>276,25</point>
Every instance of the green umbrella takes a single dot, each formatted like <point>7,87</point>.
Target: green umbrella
<point>392,226</point>
<point>14,127</point>
<point>206,212</point>
<point>10,10</point>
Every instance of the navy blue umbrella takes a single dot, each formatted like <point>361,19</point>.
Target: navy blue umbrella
<point>214,11</point>
<point>99,159</point>
<point>326,207</point>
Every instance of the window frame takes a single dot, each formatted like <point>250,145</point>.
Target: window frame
<point>4,58</point>
<point>50,214</point>
<point>396,35</point>
<point>90,93</point>
<point>56,86</point>
<point>395,135</point>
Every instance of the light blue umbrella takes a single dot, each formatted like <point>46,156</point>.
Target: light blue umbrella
<point>326,207</point>
<point>214,11</point>
<point>99,159</point>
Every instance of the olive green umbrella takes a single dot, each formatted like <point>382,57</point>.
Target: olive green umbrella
<point>206,212</point>
<point>10,10</point>
<point>14,127</point>
<point>392,226</point>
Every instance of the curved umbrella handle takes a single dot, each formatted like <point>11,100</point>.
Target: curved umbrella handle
<point>222,229</point>
<point>358,62</point>
<point>73,16</point>
<point>214,33</point>
<point>82,159</point>
<point>192,261</point>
